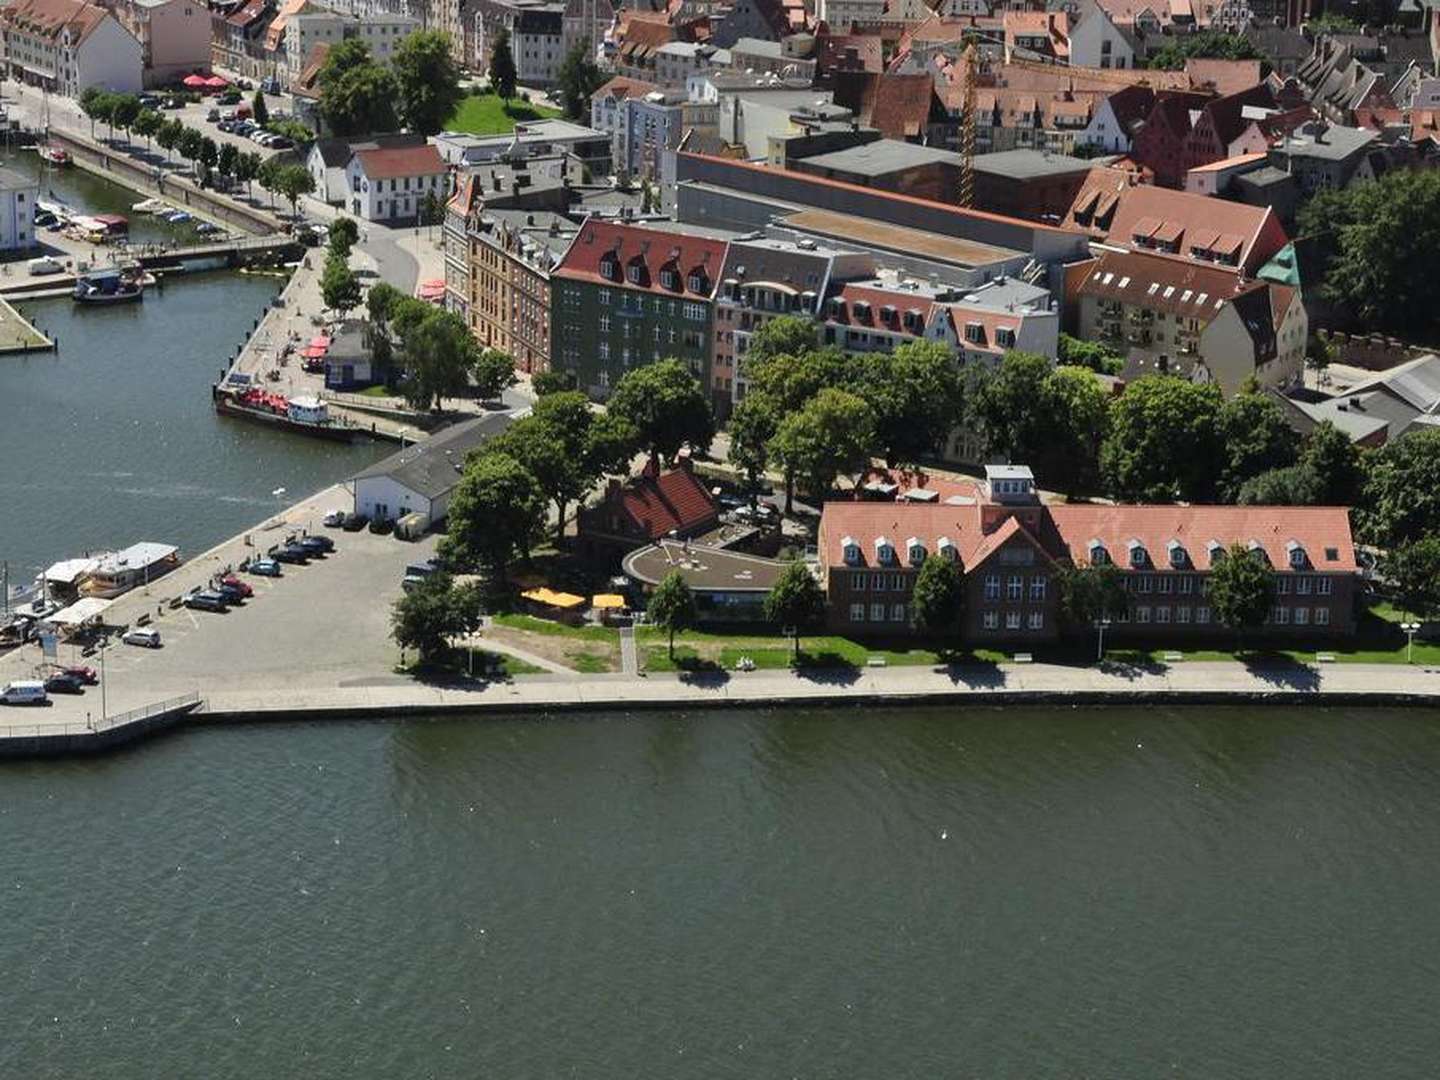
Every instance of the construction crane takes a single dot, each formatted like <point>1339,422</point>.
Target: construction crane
<point>967,129</point>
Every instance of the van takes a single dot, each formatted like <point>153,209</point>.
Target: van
<point>45,265</point>
<point>146,637</point>
<point>412,526</point>
<point>24,692</point>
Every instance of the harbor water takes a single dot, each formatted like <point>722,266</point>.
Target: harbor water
<point>112,439</point>
<point>820,894</point>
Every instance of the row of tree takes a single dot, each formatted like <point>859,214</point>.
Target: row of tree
<point>419,89</point>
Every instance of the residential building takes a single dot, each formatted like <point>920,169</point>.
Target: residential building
<point>237,37</point>
<point>1012,549</point>
<point>773,57</point>
<point>769,20</point>
<point>1216,177</point>
<point>844,14</point>
<point>421,477</point>
<point>394,184</point>
<point>625,296</point>
<point>17,210</point>
<point>66,46</point>
<point>304,31</point>
<point>536,30</point>
<point>1378,410</point>
<point>658,504</point>
<point>586,22</point>
<point>676,61</point>
<point>1037,35</point>
<point>1323,156</point>
<point>174,36</point>
<point>535,138</point>
<point>1173,316</point>
<point>1096,40</point>
<point>328,158</point>
<point>1029,183</point>
<point>904,107</point>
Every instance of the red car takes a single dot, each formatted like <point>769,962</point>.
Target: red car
<point>245,589</point>
<point>87,675</point>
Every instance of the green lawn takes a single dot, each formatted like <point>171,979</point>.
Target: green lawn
<point>486,114</point>
<point>380,390</point>
<point>698,649</point>
<point>531,625</point>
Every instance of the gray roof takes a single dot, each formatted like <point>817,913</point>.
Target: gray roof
<point>1355,415</point>
<point>882,156</point>
<point>703,568</point>
<point>1416,382</point>
<point>431,468</point>
<point>1335,143</point>
<point>757,47</point>
<point>1029,164</point>
<point>1265,177</point>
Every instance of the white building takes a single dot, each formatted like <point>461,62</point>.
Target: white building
<point>69,45</point>
<point>17,209</point>
<point>382,32</point>
<point>537,40</point>
<point>420,479</point>
<point>393,183</point>
<point>1096,41</point>
<point>174,36</point>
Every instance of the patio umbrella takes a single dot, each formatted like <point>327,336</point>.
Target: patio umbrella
<point>195,82</point>
<point>215,82</point>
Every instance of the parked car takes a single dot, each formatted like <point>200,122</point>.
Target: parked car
<point>45,264</point>
<point>334,519</point>
<point>382,526</point>
<point>265,567</point>
<point>280,142</point>
<point>323,545</point>
<point>355,522</point>
<point>205,600</point>
<point>86,674</point>
<point>422,569</point>
<point>411,582</point>
<point>231,594</point>
<point>212,116</point>
<point>245,588</point>
<point>226,125</point>
<point>291,553</point>
<point>145,636</point>
<point>24,692</point>
<point>64,684</point>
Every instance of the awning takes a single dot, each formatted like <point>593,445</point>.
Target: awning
<point>215,82</point>
<point>607,601</point>
<point>81,612</point>
<point>549,598</point>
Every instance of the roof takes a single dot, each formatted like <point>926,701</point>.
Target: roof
<point>651,254</point>
<point>1226,76</point>
<point>385,163</point>
<point>881,157</point>
<point>1230,162</point>
<point>431,468</point>
<point>1333,142</point>
<point>1031,164</point>
<point>659,502</point>
<point>1359,416</point>
<point>898,106</point>
<point>1416,382</point>
<point>879,234</point>
<point>1164,283</point>
<point>335,153</point>
<point>622,86</point>
<point>249,13</point>
<point>51,18</point>
<point>703,567</point>
<point>146,553</point>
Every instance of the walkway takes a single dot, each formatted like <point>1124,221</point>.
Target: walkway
<point>629,655</point>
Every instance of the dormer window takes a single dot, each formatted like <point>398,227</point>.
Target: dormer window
<point>884,550</point>
<point>1098,555</point>
<point>1215,550</point>
<point>974,332</point>
<point>947,548</point>
<point>1257,549</point>
<point>696,283</point>
<point>1005,337</point>
<point>1296,552</point>
<point>667,278</point>
<point>1178,557</point>
<point>915,550</point>
<point>634,272</point>
<point>851,547</point>
<point>609,268</point>
<point>1138,555</point>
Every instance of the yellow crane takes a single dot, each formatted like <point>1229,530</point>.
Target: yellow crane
<point>967,129</point>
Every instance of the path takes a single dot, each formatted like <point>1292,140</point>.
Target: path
<point>629,656</point>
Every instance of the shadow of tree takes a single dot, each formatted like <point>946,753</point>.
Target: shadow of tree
<point>829,668</point>
<point>1281,671</point>
<point>975,674</point>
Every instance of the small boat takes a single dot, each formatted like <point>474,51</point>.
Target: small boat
<point>305,414</point>
<point>205,228</point>
<point>176,217</point>
<point>115,286</point>
<point>149,206</point>
<point>53,154</point>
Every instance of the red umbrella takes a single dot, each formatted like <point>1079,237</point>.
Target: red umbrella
<point>215,82</point>
<point>195,82</point>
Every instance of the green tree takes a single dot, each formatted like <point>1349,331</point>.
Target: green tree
<point>610,444</point>
<point>190,144</point>
<point>832,435</point>
<point>1294,485</point>
<point>1400,495</point>
<point>914,393</point>
<point>496,512</point>
<point>148,125</point>
<point>292,182</point>
<point>209,155</point>
<point>1091,594</point>
<point>168,134</point>
<point>95,103</point>
<point>672,606</point>
<point>1413,570</point>
<point>1094,355</point>
<point>1255,438</point>
<point>1242,590</point>
<point>344,235</point>
<point>1335,461</point>
<point>578,78</point>
<point>1204,44</point>
<point>939,597</point>
<point>784,335</point>
<point>425,618</point>
<point>667,406</point>
<point>1053,419</point>
<point>229,161</point>
<point>124,112</point>
<point>339,287</point>
<point>752,425</point>
<point>502,66</point>
<point>357,95</point>
<point>552,382</point>
<point>1163,443</point>
<point>259,111</point>
<point>795,600</point>
<point>492,372</point>
<point>439,353</point>
<point>429,81</point>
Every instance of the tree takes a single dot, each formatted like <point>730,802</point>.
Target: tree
<point>428,79</point>
<point>1400,495</point>
<point>209,154</point>
<point>426,618</point>
<point>339,287</point>
<point>229,161</point>
<point>553,445</point>
<point>496,512</point>
<point>168,135</point>
<point>357,95</point>
<point>1053,419</point>
<point>148,125</point>
<point>552,382</point>
<point>672,606</point>
<point>752,426</point>
<point>610,444</point>
<point>293,181</point>
<point>1163,443</point>
<point>667,406</point>
<point>95,103</point>
<point>784,335</point>
<point>1319,355</point>
<point>1242,590</point>
<point>1294,485</point>
<point>492,372</point>
<point>1093,592</point>
<point>190,144</point>
<point>914,393</point>
<point>579,77</point>
<point>1413,570</point>
<point>502,66</point>
<point>831,435</point>
<point>438,349</point>
<point>795,599</point>
<point>1206,44</point>
<point>939,597</point>
<point>124,112</point>
<point>344,235</point>
<point>1090,354</point>
<point>259,111</point>
<point>1335,461</point>
<point>1255,438</point>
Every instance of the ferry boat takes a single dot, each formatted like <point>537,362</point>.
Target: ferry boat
<point>54,155</point>
<point>115,286</point>
<point>309,415</point>
<point>139,564</point>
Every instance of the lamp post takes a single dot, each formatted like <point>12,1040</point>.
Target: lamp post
<point>1100,625</point>
<point>279,494</point>
<point>1411,629</point>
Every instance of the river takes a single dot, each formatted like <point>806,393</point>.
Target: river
<point>113,439</point>
<point>882,893</point>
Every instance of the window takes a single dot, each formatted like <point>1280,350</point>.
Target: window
<point>604,324</point>
<point>1322,616</point>
<point>1036,620</point>
<point>1323,586</point>
<point>857,581</point>
<point>1280,616</point>
<point>1015,587</point>
<point>1202,615</point>
<point>1143,583</point>
<point>1182,613</point>
<point>991,620</point>
<point>1302,616</point>
<point>603,297</point>
<point>1142,614</point>
<point>1166,584</point>
<point>877,612</point>
<point>897,612</point>
<point>992,586</point>
<point>603,350</point>
<point>857,612</point>
<point>1037,588</point>
<point>695,312</point>
<point>1012,620</point>
<point>897,582</point>
<point>1282,585</point>
<point>1303,585</point>
<point>1185,585</point>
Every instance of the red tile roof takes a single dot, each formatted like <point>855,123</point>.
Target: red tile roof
<point>1226,76</point>
<point>875,299</point>
<point>48,18</point>
<point>392,162</point>
<point>649,251</point>
<point>622,86</point>
<point>661,501</point>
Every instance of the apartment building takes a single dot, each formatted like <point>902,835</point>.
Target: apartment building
<point>67,46</point>
<point>174,36</point>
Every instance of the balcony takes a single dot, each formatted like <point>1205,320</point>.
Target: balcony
<point>1141,317</point>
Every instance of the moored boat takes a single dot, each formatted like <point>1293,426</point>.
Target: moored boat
<point>139,564</point>
<point>53,154</point>
<point>114,286</point>
<point>309,415</point>
<point>148,206</point>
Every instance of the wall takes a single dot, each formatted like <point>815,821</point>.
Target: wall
<point>109,57</point>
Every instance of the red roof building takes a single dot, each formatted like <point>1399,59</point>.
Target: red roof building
<point>653,506</point>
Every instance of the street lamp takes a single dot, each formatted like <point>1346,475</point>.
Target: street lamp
<point>1100,625</point>
<point>279,494</point>
<point>1411,629</point>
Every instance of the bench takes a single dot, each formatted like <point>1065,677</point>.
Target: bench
<point>1325,658</point>
<point>1023,658</point>
<point>875,661</point>
<point>1173,657</point>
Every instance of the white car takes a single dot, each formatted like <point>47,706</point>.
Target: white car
<point>334,518</point>
<point>145,636</point>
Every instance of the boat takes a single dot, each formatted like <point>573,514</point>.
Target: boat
<point>115,286</point>
<point>53,154</point>
<point>139,564</point>
<point>149,206</point>
<point>308,415</point>
<point>176,217</point>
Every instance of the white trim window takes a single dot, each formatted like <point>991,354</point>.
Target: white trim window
<point>1015,587</point>
<point>1183,613</point>
<point>1322,616</point>
<point>1142,614</point>
<point>1202,615</point>
<point>1323,587</point>
<point>857,612</point>
<point>897,613</point>
<point>991,620</point>
<point>1281,616</point>
<point>1012,620</point>
<point>877,612</point>
<point>1162,613</point>
<point>1037,588</point>
<point>992,586</point>
<point>1036,620</point>
<point>1302,616</point>
<point>1303,585</point>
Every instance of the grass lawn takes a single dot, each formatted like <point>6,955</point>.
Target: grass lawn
<point>376,391</point>
<point>531,625</point>
<point>696,649</point>
<point>498,665</point>
<point>486,114</point>
<point>590,650</point>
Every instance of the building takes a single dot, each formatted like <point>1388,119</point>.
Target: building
<point>67,46</point>
<point>1375,411</point>
<point>656,505</point>
<point>676,61</point>
<point>625,296</point>
<point>328,158</point>
<point>1322,156</point>
<point>923,171</point>
<point>237,37</point>
<point>420,478</point>
<point>396,183</point>
<point>1029,183</point>
<point>17,210</point>
<point>536,138</point>
<point>381,32</point>
<point>1174,316</point>
<point>1097,41</point>
<point>1012,548</point>
<point>536,29</point>
<point>728,586</point>
<point>773,57</point>
<point>174,36</point>
<point>769,20</point>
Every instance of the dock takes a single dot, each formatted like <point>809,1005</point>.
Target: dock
<point>18,335</point>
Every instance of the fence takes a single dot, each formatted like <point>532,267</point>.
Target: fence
<point>103,725</point>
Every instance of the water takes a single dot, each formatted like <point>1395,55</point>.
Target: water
<point>113,439</point>
<point>918,893</point>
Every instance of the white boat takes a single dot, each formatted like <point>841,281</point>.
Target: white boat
<point>176,217</point>
<point>139,564</point>
<point>149,206</point>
